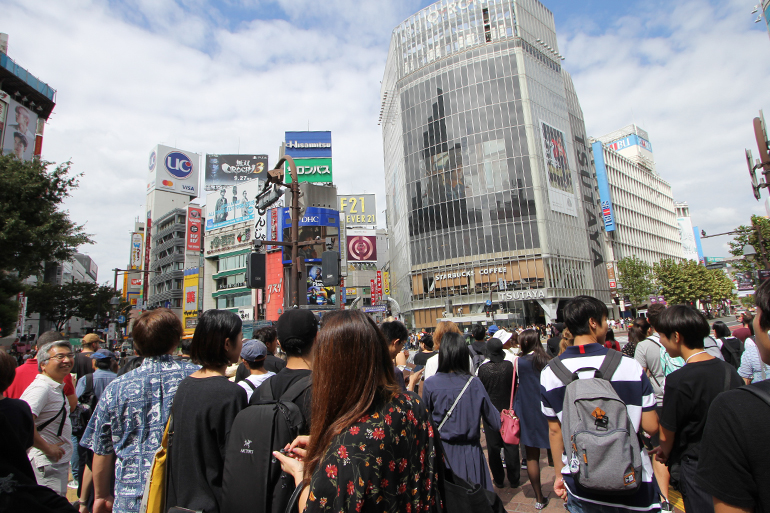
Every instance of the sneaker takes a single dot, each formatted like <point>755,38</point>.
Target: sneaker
<point>524,464</point>
<point>541,505</point>
<point>73,484</point>
<point>666,507</point>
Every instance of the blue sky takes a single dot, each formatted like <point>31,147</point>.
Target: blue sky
<point>216,77</point>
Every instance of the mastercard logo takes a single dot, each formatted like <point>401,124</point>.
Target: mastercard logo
<point>168,183</point>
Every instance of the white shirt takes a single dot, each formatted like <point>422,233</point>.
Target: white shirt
<point>431,366</point>
<point>256,380</point>
<point>45,398</point>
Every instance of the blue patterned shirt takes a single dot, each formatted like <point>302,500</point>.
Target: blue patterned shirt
<point>129,421</point>
<point>751,364</point>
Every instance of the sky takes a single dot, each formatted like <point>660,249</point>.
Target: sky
<point>231,76</point>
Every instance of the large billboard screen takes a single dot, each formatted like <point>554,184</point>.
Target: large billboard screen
<point>608,212</point>
<point>173,170</point>
<point>232,204</point>
<point>359,209</point>
<point>19,130</point>
<point>361,245</point>
<point>561,190</point>
<point>309,144</point>
<point>317,293</point>
<point>315,225</point>
<point>234,169</point>
<point>194,229</point>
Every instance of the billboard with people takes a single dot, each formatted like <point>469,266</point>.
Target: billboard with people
<point>233,169</point>
<point>18,130</point>
<point>232,204</point>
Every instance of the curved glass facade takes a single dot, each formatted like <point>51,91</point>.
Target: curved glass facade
<point>486,194</point>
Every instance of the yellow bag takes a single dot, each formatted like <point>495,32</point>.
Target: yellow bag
<point>154,498</point>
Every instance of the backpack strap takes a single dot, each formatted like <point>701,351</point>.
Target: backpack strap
<point>757,392</point>
<point>560,370</point>
<point>610,364</point>
<point>294,391</point>
<point>251,385</point>
<point>61,412</point>
<point>727,378</point>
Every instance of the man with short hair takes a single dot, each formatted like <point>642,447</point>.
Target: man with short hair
<point>478,347</point>
<point>127,426</point>
<point>253,353</point>
<point>586,318</point>
<point>52,447</point>
<point>745,331</point>
<point>268,336</point>
<point>83,362</point>
<point>552,345</point>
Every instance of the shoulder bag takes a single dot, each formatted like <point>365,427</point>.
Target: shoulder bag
<point>154,497</point>
<point>452,408</point>
<point>510,429</point>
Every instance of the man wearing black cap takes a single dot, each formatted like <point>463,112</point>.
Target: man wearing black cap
<point>297,330</point>
<point>552,346</point>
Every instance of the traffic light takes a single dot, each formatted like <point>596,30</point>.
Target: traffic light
<point>330,267</point>
<point>255,270</point>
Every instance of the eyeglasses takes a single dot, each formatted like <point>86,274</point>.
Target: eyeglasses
<point>61,356</point>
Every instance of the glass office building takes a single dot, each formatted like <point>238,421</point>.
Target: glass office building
<point>490,179</point>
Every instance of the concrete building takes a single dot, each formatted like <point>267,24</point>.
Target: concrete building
<point>490,188</point>
<point>167,259</point>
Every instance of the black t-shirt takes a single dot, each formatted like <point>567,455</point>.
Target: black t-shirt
<point>281,382</point>
<point>421,358</point>
<point>17,431</point>
<point>204,410</point>
<point>687,396</point>
<point>272,364</point>
<point>735,468</point>
<point>552,346</point>
<point>83,364</point>
<point>497,378</point>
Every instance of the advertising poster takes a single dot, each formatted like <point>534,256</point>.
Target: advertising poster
<point>173,170</point>
<point>362,245</point>
<point>190,312</point>
<point>317,224</point>
<point>148,243</point>
<point>744,281</point>
<point>372,291</point>
<point>194,229</point>
<point>608,212</point>
<point>386,283</point>
<point>379,285</point>
<point>561,190</point>
<point>4,99</point>
<point>232,204</point>
<point>19,130</point>
<point>358,210</point>
<point>317,294</point>
<point>234,169</point>
<point>136,250</point>
<point>689,247</point>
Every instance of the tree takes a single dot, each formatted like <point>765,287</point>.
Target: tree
<point>58,303</point>
<point>672,281</point>
<point>635,277</point>
<point>748,235</point>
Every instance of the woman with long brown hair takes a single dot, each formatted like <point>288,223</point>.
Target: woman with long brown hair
<point>442,328</point>
<point>370,446</point>
<point>636,333</point>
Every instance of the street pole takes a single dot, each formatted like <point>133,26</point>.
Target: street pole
<point>274,177</point>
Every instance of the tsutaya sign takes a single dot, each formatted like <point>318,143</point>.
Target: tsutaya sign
<point>521,294</point>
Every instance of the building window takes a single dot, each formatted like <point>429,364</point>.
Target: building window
<point>234,301</point>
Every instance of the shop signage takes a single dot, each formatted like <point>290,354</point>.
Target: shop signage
<point>223,286</point>
<point>462,274</point>
<point>519,295</point>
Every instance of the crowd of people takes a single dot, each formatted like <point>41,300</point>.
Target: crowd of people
<point>347,420</point>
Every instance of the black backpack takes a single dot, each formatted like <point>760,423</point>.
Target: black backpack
<point>86,405</point>
<point>252,478</point>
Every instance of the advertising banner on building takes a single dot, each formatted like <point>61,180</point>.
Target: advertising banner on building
<point>190,312</point>
<point>147,244</point>
<point>379,285</point>
<point>4,99</point>
<point>689,246</point>
<point>386,283</point>
<point>234,169</point>
<point>22,299</point>
<point>173,170</point>
<point>194,230</point>
<point>611,275</point>
<point>358,210</point>
<point>18,130</point>
<point>317,294</point>
<point>372,291</point>
<point>273,286</point>
<point>315,225</point>
<point>232,204</point>
<point>561,190</point>
<point>136,250</point>
<point>744,281</point>
<point>362,245</point>
<point>308,144</point>
<point>608,212</point>
<point>311,170</point>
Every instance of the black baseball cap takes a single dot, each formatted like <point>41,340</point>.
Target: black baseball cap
<point>296,324</point>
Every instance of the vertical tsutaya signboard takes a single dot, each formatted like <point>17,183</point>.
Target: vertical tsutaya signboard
<point>608,212</point>
<point>689,247</point>
<point>233,169</point>
<point>561,190</point>
<point>361,245</point>
<point>358,210</point>
<point>136,250</point>
<point>190,312</point>
<point>232,204</point>
<point>19,130</point>
<point>173,170</point>
<point>194,229</point>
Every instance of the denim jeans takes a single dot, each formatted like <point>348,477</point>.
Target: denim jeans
<point>575,505</point>
<point>75,459</point>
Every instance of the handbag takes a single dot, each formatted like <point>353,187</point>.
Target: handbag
<point>510,428</point>
<point>154,497</point>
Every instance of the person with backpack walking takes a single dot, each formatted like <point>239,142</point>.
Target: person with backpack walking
<point>734,469</point>
<point>498,379</point>
<point>688,394</point>
<point>458,402</point>
<point>731,347</point>
<point>589,392</point>
<point>534,426</point>
<point>478,347</point>
<point>374,450</point>
<point>254,354</point>
<point>204,408</point>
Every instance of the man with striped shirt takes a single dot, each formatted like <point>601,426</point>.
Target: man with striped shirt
<point>586,318</point>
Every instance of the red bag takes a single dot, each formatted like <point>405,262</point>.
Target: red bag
<point>509,422</point>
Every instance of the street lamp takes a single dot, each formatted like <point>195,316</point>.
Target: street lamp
<point>749,252</point>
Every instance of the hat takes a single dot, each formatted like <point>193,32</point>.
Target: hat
<point>102,354</point>
<point>492,329</point>
<point>495,350</point>
<point>559,326</point>
<point>296,324</point>
<point>253,350</point>
<point>502,336</point>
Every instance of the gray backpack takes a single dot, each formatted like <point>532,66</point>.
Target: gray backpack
<point>602,447</point>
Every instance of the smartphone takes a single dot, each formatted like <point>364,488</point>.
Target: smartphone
<point>418,368</point>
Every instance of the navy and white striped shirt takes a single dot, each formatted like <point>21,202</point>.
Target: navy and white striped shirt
<point>634,389</point>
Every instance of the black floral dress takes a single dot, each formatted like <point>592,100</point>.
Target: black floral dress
<point>388,461</point>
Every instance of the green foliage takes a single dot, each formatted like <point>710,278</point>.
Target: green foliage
<point>687,282</point>
<point>747,235</point>
<point>59,303</point>
<point>33,229</point>
<point>748,301</point>
<point>635,278</point>
<point>10,286</point>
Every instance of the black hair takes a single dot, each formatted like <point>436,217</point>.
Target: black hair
<point>643,324</point>
<point>479,332</point>
<point>762,300</point>
<point>688,322</point>
<point>529,341</point>
<point>256,364</point>
<point>453,355</point>
<point>721,330</point>
<point>103,363</point>
<point>580,310</point>
<point>266,334</point>
<point>610,335</point>
<point>427,341</point>
<point>394,330</point>
<point>185,345</point>
<point>208,343</point>
<point>653,312</point>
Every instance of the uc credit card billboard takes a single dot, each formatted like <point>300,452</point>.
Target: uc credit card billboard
<point>173,170</point>
<point>315,225</point>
